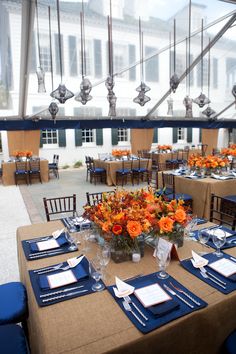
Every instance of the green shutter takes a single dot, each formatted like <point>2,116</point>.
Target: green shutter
<point>62,138</point>
<point>41,139</point>
<point>175,137</point>
<point>200,135</point>
<point>114,136</point>
<point>189,135</point>
<point>99,136</point>
<point>78,137</point>
<point>155,136</point>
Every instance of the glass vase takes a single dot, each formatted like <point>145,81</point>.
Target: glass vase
<point>177,237</point>
<point>123,247</point>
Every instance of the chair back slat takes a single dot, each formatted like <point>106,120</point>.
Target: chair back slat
<point>59,205</point>
<point>223,211</point>
<point>96,198</point>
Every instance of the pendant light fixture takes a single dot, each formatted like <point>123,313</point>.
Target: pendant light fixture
<point>170,101</point>
<point>174,80</point>
<point>188,102</point>
<point>62,94</point>
<point>109,83</point>
<point>40,73</point>
<point>53,107</point>
<point>85,86</point>
<point>201,100</point>
<point>209,111</point>
<point>141,99</point>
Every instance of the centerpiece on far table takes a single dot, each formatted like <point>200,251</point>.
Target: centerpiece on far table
<point>209,164</point>
<point>120,153</point>
<point>164,148</point>
<point>22,153</point>
<point>125,217</point>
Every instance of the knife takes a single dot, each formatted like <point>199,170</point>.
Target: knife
<point>172,292</point>
<point>64,295</point>
<point>61,291</point>
<point>46,253</point>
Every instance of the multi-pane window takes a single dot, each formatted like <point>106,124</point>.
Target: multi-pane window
<point>88,111</point>
<point>87,135</point>
<point>45,53</point>
<point>72,56</point>
<point>126,112</point>
<point>215,73</point>
<point>122,134</point>
<point>151,65</point>
<point>230,72</point>
<point>88,58</point>
<point>181,134</point>
<point>120,57</point>
<point>49,136</point>
<point>57,54</point>
<point>97,47</point>
<point>202,73</point>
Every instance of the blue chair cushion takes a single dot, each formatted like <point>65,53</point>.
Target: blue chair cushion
<point>20,172</point>
<point>124,171</point>
<point>98,170</point>
<point>231,198</point>
<point>162,191</point>
<point>141,169</point>
<point>34,170</point>
<point>12,339</point>
<point>13,300</point>
<point>179,196</point>
<point>230,344</point>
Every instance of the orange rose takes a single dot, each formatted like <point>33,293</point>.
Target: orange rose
<point>106,226</point>
<point>166,224</point>
<point>117,229</point>
<point>180,216</point>
<point>134,228</point>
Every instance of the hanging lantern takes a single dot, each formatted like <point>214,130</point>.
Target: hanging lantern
<point>85,88</point>
<point>53,110</point>
<point>174,82</point>
<point>41,84</point>
<point>188,106</point>
<point>62,94</point>
<point>201,100</point>
<point>208,112</point>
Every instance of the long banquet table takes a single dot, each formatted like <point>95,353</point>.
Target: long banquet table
<point>94,323</point>
<point>8,170</point>
<point>112,166</point>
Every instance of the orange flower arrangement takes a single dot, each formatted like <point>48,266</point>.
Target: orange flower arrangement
<point>19,153</point>
<point>120,153</point>
<point>209,162</point>
<point>126,215</point>
<point>231,151</point>
<point>164,147</point>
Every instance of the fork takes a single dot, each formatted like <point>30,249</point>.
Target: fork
<point>172,292</point>
<point>48,268</point>
<point>128,299</point>
<point>127,307</point>
<point>186,294</point>
<point>52,270</point>
<point>204,275</point>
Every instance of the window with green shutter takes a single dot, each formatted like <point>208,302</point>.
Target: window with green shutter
<point>114,136</point>
<point>99,136</point>
<point>189,135</point>
<point>200,135</point>
<point>175,135</point>
<point>61,138</point>
<point>155,136</point>
<point>78,137</point>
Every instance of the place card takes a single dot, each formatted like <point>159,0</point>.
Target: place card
<point>61,279</point>
<point>224,266</point>
<point>151,295</point>
<point>167,247</point>
<point>47,245</point>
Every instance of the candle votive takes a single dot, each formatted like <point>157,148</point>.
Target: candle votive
<point>136,257</point>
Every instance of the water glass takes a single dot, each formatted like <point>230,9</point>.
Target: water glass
<point>163,260</point>
<point>219,239</point>
<point>95,271</point>
<point>104,255</point>
<point>72,242</point>
<point>189,228</point>
<point>203,237</point>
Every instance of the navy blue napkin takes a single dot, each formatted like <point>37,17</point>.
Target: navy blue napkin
<point>227,243</point>
<point>164,312</point>
<point>201,221</point>
<point>79,272</point>
<point>87,283</point>
<point>211,257</point>
<point>61,240</point>
<point>163,309</point>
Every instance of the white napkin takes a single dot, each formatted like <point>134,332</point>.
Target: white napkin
<point>73,262</point>
<point>198,261</point>
<point>122,289</point>
<point>57,233</point>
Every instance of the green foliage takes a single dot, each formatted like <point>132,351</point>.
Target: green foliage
<point>65,167</point>
<point>78,164</point>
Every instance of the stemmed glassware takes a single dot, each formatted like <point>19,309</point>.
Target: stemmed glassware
<point>95,270</point>
<point>71,241</point>
<point>163,260</point>
<point>104,255</point>
<point>189,228</point>
<point>203,237</point>
<point>219,239</point>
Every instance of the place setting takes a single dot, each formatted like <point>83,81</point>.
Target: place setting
<point>58,242</point>
<point>214,235</point>
<point>67,280</point>
<point>217,269</point>
<point>155,299</point>
<point>76,223</point>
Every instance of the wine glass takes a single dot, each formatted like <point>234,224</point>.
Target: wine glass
<point>188,230</point>
<point>72,242</point>
<point>85,235</point>
<point>104,255</point>
<point>163,260</point>
<point>95,270</point>
<point>203,237</point>
<point>219,239</point>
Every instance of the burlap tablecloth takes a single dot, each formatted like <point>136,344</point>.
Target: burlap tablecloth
<point>112,166</point>
<point>8,170</point>
<point>94,323</point>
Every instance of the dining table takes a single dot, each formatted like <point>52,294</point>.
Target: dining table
<point>95,324</point>
<point>112,166</point>
<point>9,167</point>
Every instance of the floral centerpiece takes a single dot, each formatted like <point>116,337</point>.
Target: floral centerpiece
<point>209,163</point>
<point>164,147</point>
<point>231,151</point>
<point>22,153</point>
<point>124,216</point>
<point>120,153</point>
